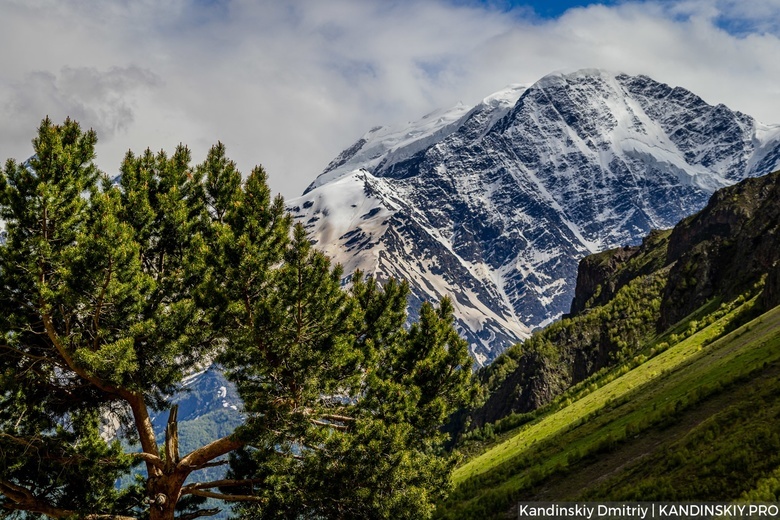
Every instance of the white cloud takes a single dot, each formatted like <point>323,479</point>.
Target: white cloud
<point>289,84</point>
<point>739,16</point>
<point>102,99</point>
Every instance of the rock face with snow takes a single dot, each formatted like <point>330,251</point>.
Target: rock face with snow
<point>494,205</point>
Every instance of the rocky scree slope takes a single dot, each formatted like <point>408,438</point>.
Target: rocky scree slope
<point>496,204</point>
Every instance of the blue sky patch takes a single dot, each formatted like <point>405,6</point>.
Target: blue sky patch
<point>542,8</point>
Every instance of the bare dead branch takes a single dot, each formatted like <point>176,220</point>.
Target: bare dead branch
<point>199,513</point>
<point>335,426</point>
<point>339,418</point>
<point>223,496</point>
<point>172,438</point>
<point>109,517</point>
<point>222,483</point>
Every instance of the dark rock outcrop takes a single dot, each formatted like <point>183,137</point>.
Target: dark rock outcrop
<point>595,282</point>
<point>724,249</point>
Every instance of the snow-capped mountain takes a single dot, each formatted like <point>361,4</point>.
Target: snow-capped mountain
<point>495,204</point>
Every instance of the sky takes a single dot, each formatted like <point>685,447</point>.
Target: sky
<point>289,84</point>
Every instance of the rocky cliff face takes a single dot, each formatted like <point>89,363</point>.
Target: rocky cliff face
<point>732,243</point>
<point>495,204</point>
<point>771,296</point>
<point>595,281</point>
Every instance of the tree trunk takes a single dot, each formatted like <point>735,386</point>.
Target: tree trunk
<point>164,490</point>
<point>164,493</point>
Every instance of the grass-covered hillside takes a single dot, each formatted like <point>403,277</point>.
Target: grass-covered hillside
<point>696,421</point>
<point>663,383</point>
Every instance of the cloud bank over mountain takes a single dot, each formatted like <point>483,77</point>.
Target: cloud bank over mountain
<point>290,84</point>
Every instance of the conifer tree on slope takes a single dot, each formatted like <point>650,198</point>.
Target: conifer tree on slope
<point>111,294</point>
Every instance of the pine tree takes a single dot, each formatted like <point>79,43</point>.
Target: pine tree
<point>112,292</point>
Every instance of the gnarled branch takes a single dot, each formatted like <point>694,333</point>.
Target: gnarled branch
<point>22,499</point>
<point>205,454</point>
<point>135,400</point>
<point>148,458</point>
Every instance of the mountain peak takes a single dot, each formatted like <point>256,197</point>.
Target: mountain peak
<point>568,75</point>
<point>495,204</point>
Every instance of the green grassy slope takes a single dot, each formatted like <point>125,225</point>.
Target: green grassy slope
<point>694,421</point>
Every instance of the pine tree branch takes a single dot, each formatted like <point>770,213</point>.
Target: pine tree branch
<point>329,416</point>
<point>23,441</point>
<point>65,355</point>
<point>205,454</point>
<point>14,492</point>
<point>101,297</point>
<point>212,464</point>
<point>223,496</point>
<point>33,441</point>
<point>22,499</point>
<point>143,425</point>
<point>149,458</point>
<point>136,401</point>
<point>108,517</point>
<point>25,355</point>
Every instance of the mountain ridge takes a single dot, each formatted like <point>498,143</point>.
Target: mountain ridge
<point>495,205</point>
